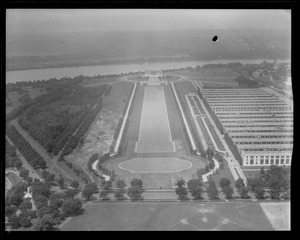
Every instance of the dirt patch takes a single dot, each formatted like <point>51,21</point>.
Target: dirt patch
<point>101,133</point>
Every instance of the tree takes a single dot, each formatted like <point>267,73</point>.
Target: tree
<point>71,207</point>
<point>228,191</point>
<point>61,182</point>
<point>243,191</point>
<point>71,193</point>
<point>16,198</point>
<point>253,182</point>
<point>120,184</point>
<point>275,193</point>
<point>24,173</point>
<point>40,200</point>
<point>259,192</point>
<point>89,190</point>
<point>104,194</point>
<point>180,182</point>
<point>108,185</point>
<point>195,187</point>
<point>39,188</point>
<point>239,183</point>
<point>136,182</point>
<point>14,221</point>
<point>212,190</point>
<point>277,177</point>
<point>135,193</point>
<point>120,194</point>
<point>224,182</point>
<point>44,210</point>
<point>32,214</point>
<point>25,219</point>
<point>74,184</point>
<point>46,223</point>
<point>9,210</point>
<point>25,205</point>
<point>182,193</point>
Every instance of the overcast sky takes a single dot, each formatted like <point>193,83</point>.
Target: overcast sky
<point>63,20</point>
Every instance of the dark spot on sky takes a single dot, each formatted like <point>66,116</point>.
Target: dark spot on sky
<point>215,39</point>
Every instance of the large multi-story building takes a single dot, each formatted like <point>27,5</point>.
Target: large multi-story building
<point>259,123</point>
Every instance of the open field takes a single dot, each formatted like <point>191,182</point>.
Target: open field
<point>213,77</point>
<point>278,214</point>
<point>155,133</point>
<point>99,137</point>
<point>155,165</point>
<point>155,180</point>
<point>170,216</point>
<point>93,81</point>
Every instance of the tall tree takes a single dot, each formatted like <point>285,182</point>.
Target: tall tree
<point>135,193</point>
<point>136,182</point>
<point>228,191</point>
<point>120,183</point>
<point>74,184</point>
<point>239,183</point>
<point>212,190</point>
<point>46,223</point>
<point>182,193</point>
<point>14,221</point>
<point>71,207</point>
<point>259,192</point>
<point>243,191</point>
<point>120,194</point>
<point>195,187</point>
<point>89,190</point>
<point>180,182</point>
<point>224,182</point>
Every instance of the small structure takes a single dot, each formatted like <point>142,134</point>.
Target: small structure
<point>153,73</point>
<point>153,76</point>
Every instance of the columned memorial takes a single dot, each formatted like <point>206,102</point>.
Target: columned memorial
<point>153,77</point>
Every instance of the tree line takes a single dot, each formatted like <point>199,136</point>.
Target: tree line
<point>11,158</point>
<point>30,154</point>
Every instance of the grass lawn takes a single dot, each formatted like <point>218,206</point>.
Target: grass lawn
<point>224,173</point>
<point>251,174</point>
<point>183,89</point>
<point>170,216</point>
<point>154,133</point>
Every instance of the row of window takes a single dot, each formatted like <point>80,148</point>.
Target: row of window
<point>272,120</point>
<point>247,117</point>
<point>267,162</point>
<point>251,113</point>
<point>269,157</point>
<point>251,131</point>
<point>257,126</point>
<point>264,143</point>
<point>229,109</point>
<point>236,97</point>
<point>262,136</point>
<point>266,149</point>
<point>245,101</point>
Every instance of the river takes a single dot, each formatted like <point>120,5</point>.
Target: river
<point>47,73</point>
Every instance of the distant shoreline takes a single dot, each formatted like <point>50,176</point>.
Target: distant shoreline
<point>138,61</point>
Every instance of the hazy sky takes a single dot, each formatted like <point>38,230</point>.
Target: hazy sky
<point>57,20</point>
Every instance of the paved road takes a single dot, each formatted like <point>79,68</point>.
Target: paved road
<point>32,172</point>
<point>51,162</point>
